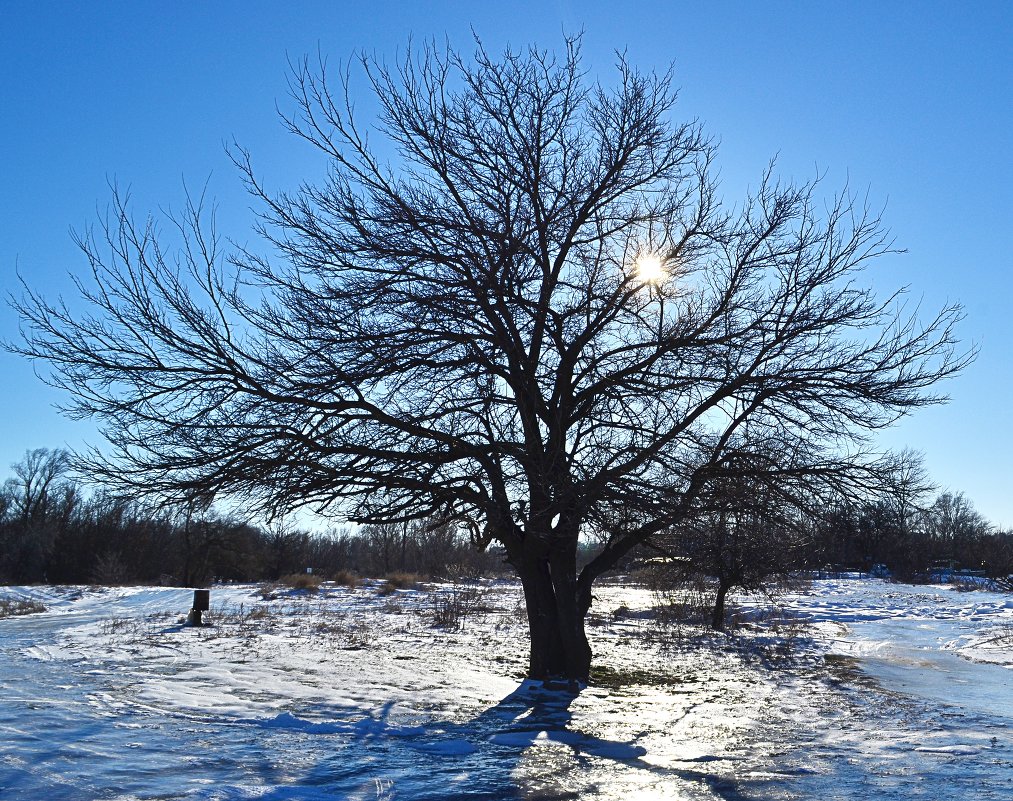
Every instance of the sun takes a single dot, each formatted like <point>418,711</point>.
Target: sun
<point>650,268</point>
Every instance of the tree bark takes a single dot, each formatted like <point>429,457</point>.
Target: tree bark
<point>559,646</point>
<point>718,613</point>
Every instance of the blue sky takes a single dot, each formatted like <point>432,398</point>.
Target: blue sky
<point>912,101</point>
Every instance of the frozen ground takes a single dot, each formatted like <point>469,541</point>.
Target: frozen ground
<point>861,689</point>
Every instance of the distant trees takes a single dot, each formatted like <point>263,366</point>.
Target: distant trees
<point>37,504</point>
<point>911,540</point>
<point>38,484</point>
<point>954,525</point>
<point>538,323</point>
<point>54,528</point>
<point>417,547</point>
<point>744,535</point>
<point>756,537</point>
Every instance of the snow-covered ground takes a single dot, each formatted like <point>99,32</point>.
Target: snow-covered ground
<point>857,688</point>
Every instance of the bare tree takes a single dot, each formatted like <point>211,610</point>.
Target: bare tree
<point>954,526</point>
<point>38,483</point>
<point>536,321</point>
<point>750,530</point>
<point>38,502</point>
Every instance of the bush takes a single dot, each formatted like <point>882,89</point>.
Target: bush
<point>9,607</point>
<point>448,610</point>
<point>399,581</point>
<point>346,578</point>
<point>301,581</point>
<point>110,570</point>
<point>686,603</point>
<point>620,612</point>
<point>1002,636</point>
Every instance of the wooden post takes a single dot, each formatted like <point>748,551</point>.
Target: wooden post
<point>201,603</point>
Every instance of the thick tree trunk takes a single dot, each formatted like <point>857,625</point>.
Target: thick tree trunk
<point>718,613</point>
<point>559,646</point>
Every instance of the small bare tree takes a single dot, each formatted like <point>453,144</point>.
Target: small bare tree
<point>38,501</point>
<point>537,321</point>
<point>750,531</point>
<point>38,482</point>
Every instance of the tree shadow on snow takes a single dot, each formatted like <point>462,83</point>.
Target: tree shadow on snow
<point>509,752</point>
<point>495,755</point>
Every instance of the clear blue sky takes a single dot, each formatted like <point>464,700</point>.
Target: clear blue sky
<point>911,100</point>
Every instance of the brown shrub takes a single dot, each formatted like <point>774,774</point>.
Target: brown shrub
<point>9,607</point>
<point>399,581</point>
<point>403,581</point>
<point>449,610</point>
<point>346,578</point>
<point>301,581</point>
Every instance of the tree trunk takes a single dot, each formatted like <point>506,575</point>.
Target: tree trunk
<point>718,614</point>
<point>559,646</point>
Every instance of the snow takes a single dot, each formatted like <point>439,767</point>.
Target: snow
<point>855,687</point>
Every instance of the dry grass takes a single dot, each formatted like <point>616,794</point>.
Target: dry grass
<point>399,581</point>
<point>972,584</point>
<point>346,578</point>
<point>686,605</point>
<point>301,581</point>
<point>1002,636</point>
<point>450,609</point>
<point>10,607</point>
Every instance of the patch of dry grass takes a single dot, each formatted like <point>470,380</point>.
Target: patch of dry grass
<point>399,581</point>
<point>450,609</point>
<point>1002,636</point>
<point>10,607</point>
<point>301,581</point>
<point>346,578</point>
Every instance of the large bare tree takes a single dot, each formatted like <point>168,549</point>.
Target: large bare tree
<point>532,316</point>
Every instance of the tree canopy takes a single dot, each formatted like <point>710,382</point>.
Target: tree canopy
<point>536,319</point>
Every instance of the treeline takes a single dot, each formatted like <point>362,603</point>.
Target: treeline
<point>749,539</point>
<point>752,544</point>
<point>52,530</point>
<point>912,541</point>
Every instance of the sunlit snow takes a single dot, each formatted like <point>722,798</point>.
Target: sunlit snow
<point>856,688</point>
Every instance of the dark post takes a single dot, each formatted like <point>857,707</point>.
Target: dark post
<point>201,603</point>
